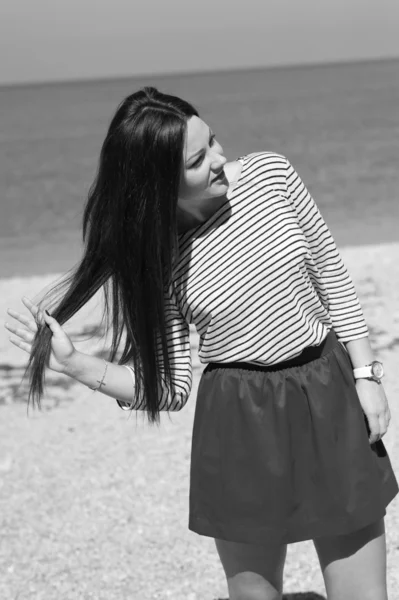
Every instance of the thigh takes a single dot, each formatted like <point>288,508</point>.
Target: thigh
<point>253,571</point>
<point>354,565</point>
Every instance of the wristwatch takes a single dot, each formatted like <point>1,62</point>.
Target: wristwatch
<point>374,371</point>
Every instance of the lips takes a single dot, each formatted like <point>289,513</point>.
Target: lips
<point>219,176</point>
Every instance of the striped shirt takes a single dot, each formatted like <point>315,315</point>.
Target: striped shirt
<point>261,279</point>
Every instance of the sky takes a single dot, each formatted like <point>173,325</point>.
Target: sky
<point>57,40</point>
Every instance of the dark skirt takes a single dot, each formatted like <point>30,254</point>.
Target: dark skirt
<point>283,452</point>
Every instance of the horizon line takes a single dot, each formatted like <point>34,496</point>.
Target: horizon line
<point>195,72</point>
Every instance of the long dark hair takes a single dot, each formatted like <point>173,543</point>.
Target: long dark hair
<point>130,241</point>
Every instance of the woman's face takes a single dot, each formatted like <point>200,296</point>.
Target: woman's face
<point>203,161</point>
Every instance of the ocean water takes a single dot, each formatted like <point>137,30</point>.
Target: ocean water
<point>338,125</point>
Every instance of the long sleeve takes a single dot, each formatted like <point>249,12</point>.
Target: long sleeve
<point>343,304</point>
<point>178,340</point>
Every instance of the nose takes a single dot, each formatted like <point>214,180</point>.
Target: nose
<point>219,161</point>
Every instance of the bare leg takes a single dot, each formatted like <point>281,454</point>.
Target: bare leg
<point>253,572</point>
<point>354,565</point>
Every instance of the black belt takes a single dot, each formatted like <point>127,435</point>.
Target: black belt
<point>307,355</point>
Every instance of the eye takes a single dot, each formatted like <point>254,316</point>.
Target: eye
<point>200,159</point>
<point>197,163</point>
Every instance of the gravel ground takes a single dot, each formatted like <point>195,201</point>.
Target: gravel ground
<point>94,502</point>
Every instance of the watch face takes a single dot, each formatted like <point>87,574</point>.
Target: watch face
<point>377,369</point>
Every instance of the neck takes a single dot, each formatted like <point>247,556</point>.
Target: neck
<point>194,216</point>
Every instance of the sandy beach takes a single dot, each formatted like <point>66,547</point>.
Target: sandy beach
<point>94,502</point>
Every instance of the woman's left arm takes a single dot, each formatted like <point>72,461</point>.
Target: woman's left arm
<point>371,394</point>
<point>343,304</point>
<point>360,352</point>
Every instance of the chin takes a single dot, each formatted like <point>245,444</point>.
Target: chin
<point>221,192</point>
<point>220,188</point>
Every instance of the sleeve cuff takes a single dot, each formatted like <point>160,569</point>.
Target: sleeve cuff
<point>127,405</point>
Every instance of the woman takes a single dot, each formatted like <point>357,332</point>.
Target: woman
<point>290,409</point>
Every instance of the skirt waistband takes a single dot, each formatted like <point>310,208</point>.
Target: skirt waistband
<point>307,355</point>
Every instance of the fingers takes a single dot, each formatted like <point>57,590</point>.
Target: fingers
<point>378,425</point>
<point>34,309</point>
<point>52,324</point>
<point>24,334</point>
<point>384,419</point>
<point>32,325</point>
<point>21,344</point>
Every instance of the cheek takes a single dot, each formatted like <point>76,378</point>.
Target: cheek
<point>194,182</point>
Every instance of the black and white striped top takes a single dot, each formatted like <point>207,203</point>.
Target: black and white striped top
<point>261,279</point>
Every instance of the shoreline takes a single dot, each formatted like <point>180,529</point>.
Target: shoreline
<point>46,271</point>
<point>374,269</point>
<point>27,257</point>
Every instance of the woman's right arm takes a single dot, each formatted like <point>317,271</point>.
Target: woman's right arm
<point>116,381</point>
<point>90,370</point>
<point>64,358</point>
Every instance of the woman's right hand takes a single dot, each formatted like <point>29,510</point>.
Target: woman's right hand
<point>62,349</point>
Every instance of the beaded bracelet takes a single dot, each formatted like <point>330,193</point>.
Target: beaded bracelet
<point>101,383</point>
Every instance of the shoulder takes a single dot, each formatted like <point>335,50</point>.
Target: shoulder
<point>266,161</point>
<point>233,170</point>
<point>268,168</point>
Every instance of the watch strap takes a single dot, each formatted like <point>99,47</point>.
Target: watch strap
<point>361,372</point>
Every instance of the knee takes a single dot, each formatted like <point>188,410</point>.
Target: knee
<point>253,572</point>
<point>251,586</point>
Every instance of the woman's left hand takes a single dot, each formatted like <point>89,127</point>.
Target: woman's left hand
<point>375,406</point>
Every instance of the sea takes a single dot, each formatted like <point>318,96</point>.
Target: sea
<point>338,124</point>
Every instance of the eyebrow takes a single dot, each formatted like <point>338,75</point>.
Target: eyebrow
<point>198,151</point>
